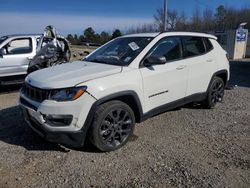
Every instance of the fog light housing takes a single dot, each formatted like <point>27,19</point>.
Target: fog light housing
<point>58,120</point>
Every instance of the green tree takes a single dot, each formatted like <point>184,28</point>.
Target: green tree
<point>76,40</point>
<point>97,38</point>
<point>89,34</point>
<point>220,17</point>
<point>75,37</point>
<point>104,37</point>
<point>116,33</point>
<point>71,39</point>
<point>80,39</point>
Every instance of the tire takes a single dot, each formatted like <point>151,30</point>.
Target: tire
<point>112,126</point>
<point>215,93</point>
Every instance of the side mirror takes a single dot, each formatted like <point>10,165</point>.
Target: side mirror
<point>155,60</point>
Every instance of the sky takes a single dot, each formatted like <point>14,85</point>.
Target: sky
<point>31,16</point>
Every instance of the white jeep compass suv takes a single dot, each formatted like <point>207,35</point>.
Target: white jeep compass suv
<point>124,82</point>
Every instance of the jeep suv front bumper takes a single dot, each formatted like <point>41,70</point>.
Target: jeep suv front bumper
<point>72,139</point>
<point>58,122</point>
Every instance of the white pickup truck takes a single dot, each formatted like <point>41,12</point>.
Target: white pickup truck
<point>16,51</point>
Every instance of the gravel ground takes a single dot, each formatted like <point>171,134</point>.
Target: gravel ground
<point>188,147</point>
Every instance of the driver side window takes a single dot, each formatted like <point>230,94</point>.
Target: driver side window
<point>169,47</point>
<point>18,46</point>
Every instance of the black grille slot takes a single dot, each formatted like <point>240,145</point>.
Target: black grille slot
<point>26,103</point>
<point>34,93</point>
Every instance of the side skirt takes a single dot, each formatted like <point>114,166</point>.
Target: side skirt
<point>170,106</point>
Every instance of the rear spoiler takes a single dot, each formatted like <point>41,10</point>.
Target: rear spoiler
<point>212,37</point>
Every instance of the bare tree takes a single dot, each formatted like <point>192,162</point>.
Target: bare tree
<point>171,21</point>
<point>144,28</point>
<point>182,22</point>
<point>196,20</point>
<point>204,21</point>
<point>159,19</point>
<point>208,20</point>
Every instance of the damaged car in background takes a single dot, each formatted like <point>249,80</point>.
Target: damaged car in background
<point>53,49</point>
<point>22,54</point>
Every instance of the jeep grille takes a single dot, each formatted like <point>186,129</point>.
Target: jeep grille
<point>34,93</point>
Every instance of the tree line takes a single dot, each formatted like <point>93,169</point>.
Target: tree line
<point>89,36</point>
<point>221,19</point>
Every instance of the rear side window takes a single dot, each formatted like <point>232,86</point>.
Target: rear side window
<point>208,44</point>
<point>193,46</point>
<point>169,47</point>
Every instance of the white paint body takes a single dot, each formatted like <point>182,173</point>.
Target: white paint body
<point>180,78</point>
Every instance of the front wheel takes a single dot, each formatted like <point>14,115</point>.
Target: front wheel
<point>113,125</point>
<point>215,93</point>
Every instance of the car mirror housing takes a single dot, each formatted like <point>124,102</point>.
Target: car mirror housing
<point>155,60</point>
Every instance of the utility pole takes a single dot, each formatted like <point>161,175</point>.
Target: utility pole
<point>165,15</point>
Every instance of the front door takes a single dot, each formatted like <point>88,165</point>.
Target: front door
<point>16,57</point>
<point>165,83</point>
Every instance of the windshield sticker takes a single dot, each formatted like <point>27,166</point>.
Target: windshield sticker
<point>133,46</point>
<point>127,59</point>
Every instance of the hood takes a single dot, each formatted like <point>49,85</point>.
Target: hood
<point>70,74</point>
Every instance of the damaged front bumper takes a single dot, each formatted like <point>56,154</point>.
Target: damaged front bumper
<point>58,122</point>
<point>72,139</point>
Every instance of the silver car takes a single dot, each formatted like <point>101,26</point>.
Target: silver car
<point>16,51</point>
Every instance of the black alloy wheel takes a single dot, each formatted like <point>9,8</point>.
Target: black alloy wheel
<point>112,126</point>
<point>116,127</point>
<point>215,93</point>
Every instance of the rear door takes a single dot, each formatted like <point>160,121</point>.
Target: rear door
<point>200,59</point>
<point>16,57</point>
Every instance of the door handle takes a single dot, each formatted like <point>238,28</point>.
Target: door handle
<point>181,67</point>
<point>209,60</point>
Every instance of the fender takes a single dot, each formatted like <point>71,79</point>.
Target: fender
<point>220,72</point>
<point>123,96</point>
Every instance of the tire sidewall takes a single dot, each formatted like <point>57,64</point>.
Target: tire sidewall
<point>210,104</point>
<point>100,115</point>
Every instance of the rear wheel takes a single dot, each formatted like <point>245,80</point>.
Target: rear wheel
<point>215,93</point>
<point>112,126</point>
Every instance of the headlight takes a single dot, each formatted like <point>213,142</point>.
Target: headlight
<point>68,94</point>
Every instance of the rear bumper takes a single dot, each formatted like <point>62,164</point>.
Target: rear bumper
<point>72,139</point>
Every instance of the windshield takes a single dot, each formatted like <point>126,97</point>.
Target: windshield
<point>121,51</point>
<point>2,39</point>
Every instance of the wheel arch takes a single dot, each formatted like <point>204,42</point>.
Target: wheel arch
<point>223,74</point>
<point>128,97</point>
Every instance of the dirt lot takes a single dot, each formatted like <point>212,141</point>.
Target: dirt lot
<point>189,147</point>
<point>79,52</point>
